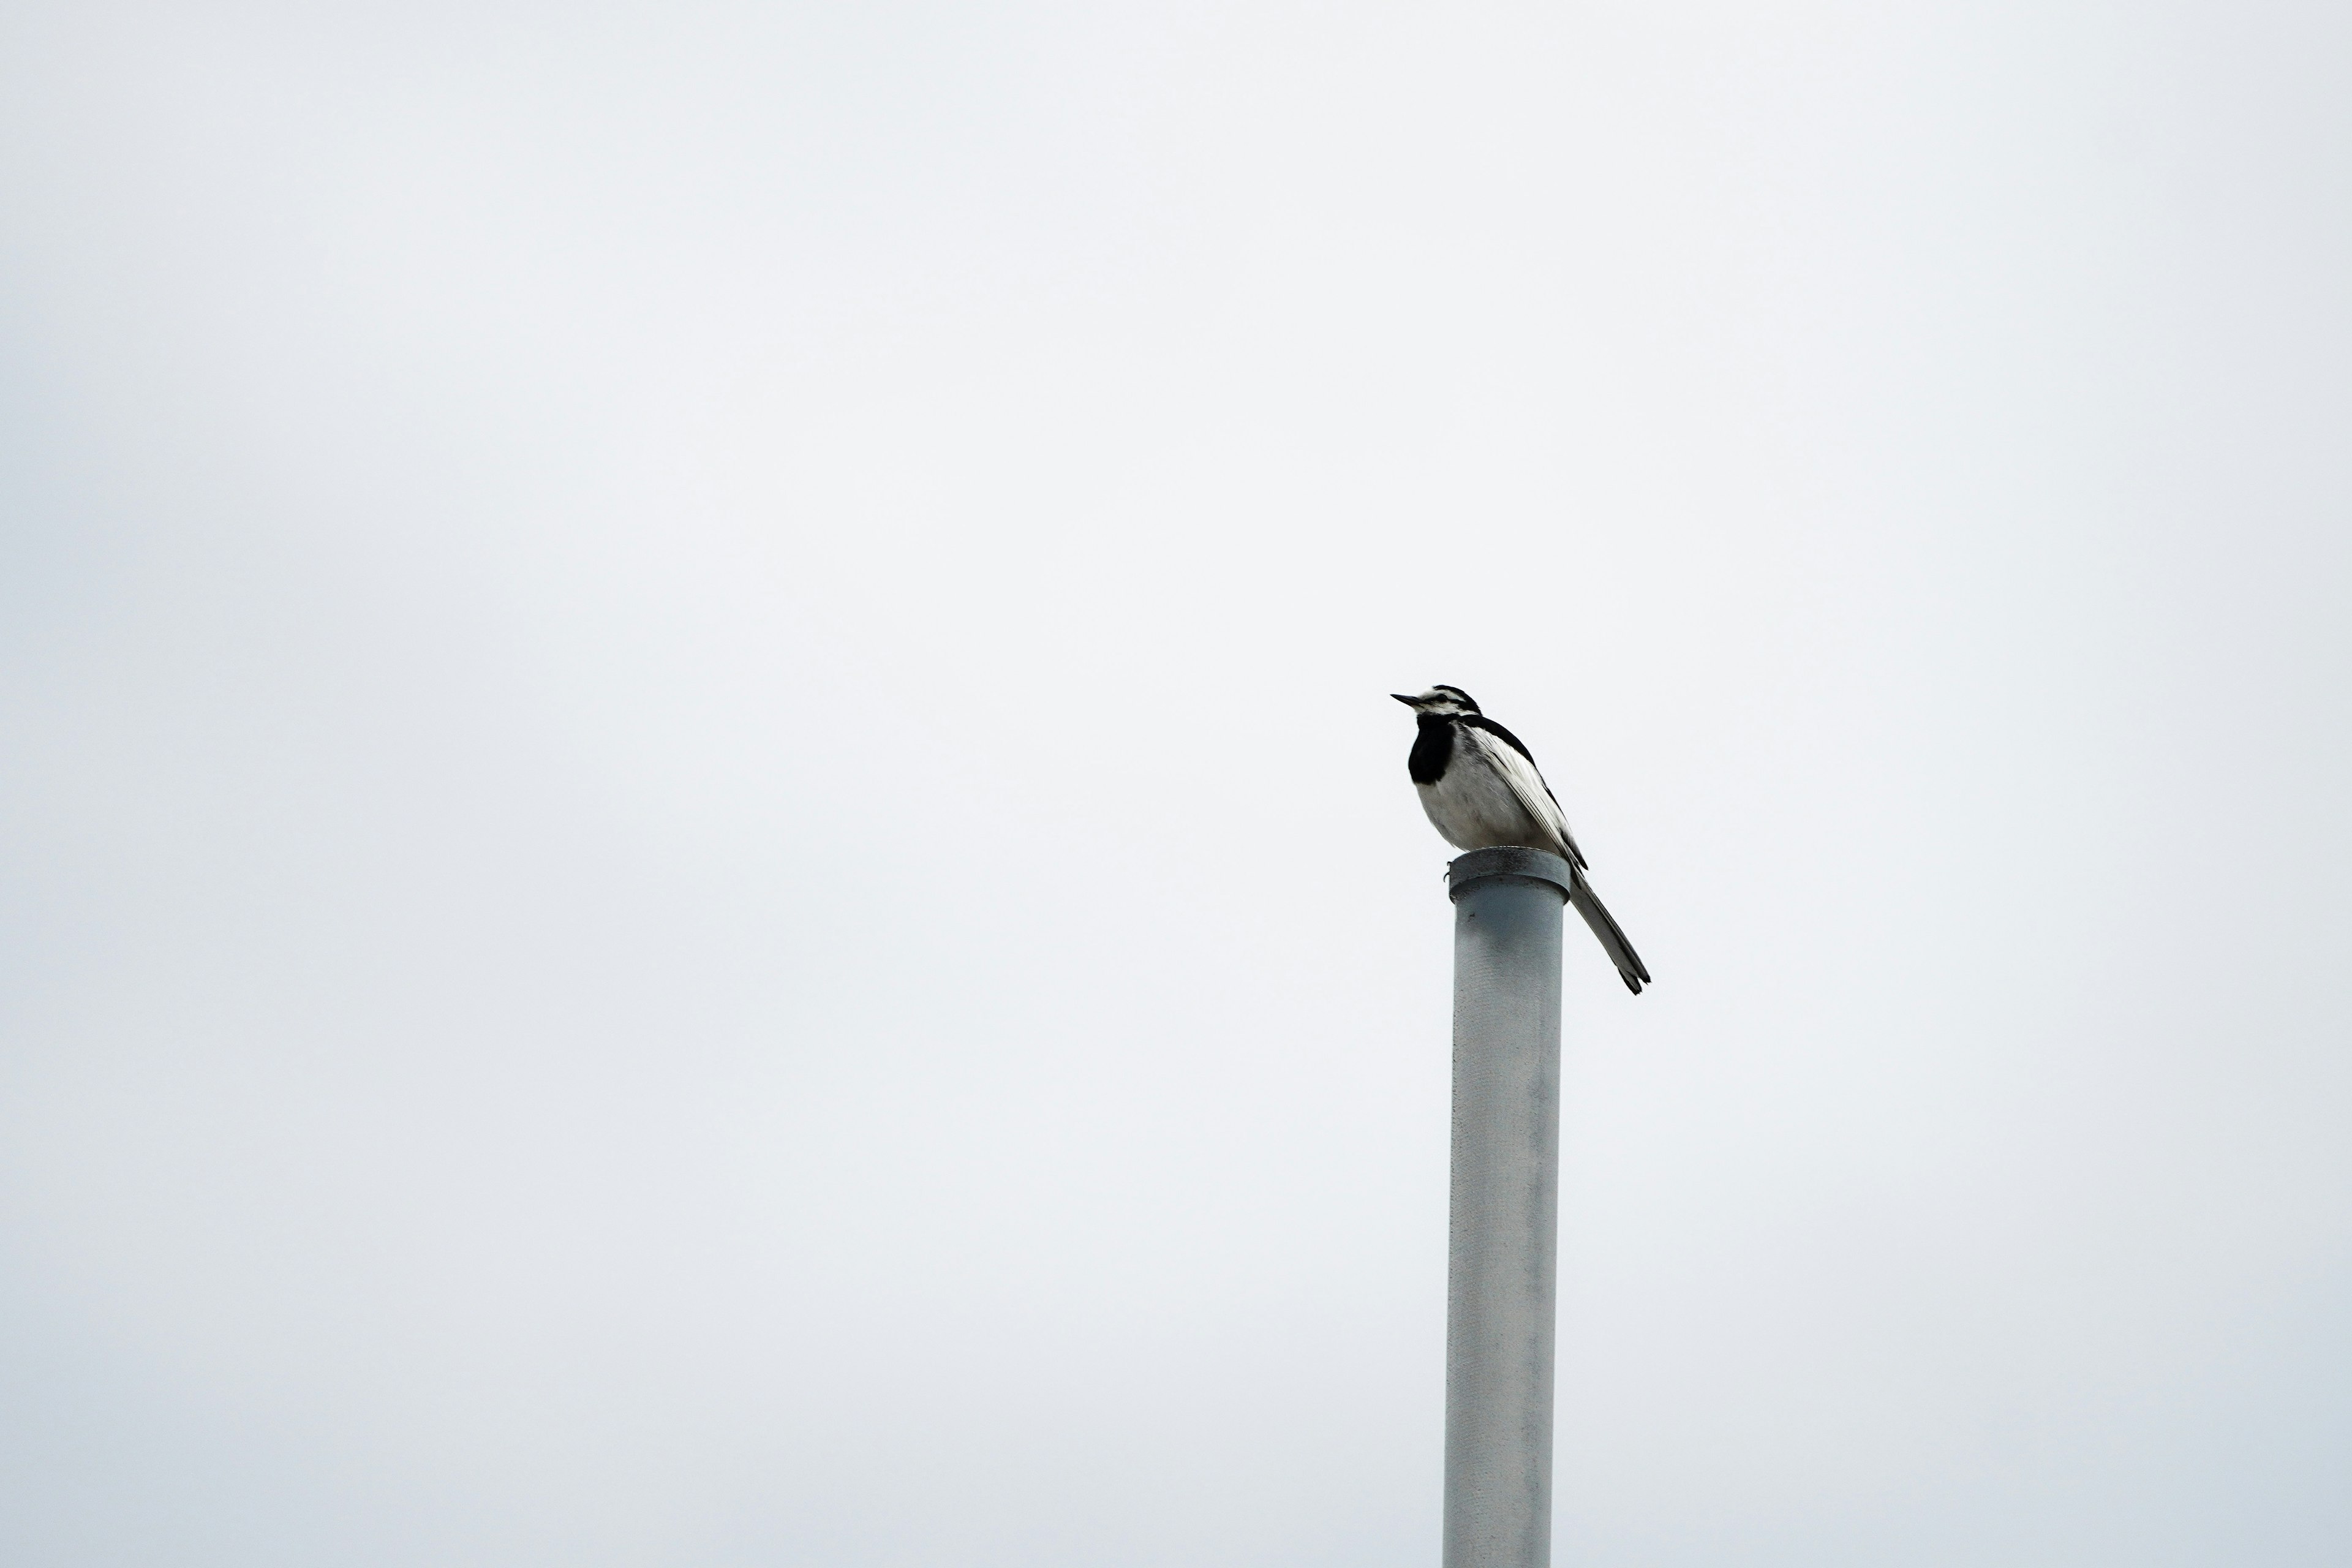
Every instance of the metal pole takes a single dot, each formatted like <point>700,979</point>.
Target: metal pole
<point>1501,1265</point>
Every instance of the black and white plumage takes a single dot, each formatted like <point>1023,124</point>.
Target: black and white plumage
<point>1481,788</point>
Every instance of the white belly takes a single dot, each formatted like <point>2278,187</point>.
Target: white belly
<point>1473,809</point>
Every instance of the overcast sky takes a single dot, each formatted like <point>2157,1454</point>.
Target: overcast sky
<point>703,863</point>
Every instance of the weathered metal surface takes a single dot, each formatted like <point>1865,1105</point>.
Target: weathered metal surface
<point>1501,1275</point>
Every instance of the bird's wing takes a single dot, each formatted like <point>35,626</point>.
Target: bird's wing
<point>1517,769</point>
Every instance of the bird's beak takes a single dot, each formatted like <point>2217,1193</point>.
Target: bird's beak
<point>1408,701</point>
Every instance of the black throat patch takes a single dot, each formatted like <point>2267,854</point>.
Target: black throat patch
<point>1432,749</point>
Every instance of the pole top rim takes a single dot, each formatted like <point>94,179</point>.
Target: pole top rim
<point>1508,863</point>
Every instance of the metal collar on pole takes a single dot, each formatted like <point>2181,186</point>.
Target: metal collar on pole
<point>1518,865</point>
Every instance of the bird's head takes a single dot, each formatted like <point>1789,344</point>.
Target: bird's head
<point>1438,700</point>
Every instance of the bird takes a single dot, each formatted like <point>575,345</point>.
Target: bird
<point>1481,787</point>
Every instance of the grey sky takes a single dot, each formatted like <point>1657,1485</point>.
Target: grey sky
<point>704,862</point>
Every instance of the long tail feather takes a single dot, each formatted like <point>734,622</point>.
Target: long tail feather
<point>1612,938</point>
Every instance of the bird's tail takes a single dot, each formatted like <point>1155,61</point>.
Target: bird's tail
<point>1612,939</point>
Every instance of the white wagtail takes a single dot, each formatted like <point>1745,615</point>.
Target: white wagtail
<point>1481,789</point>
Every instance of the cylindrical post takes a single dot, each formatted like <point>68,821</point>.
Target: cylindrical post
<point>1504,1215</point>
